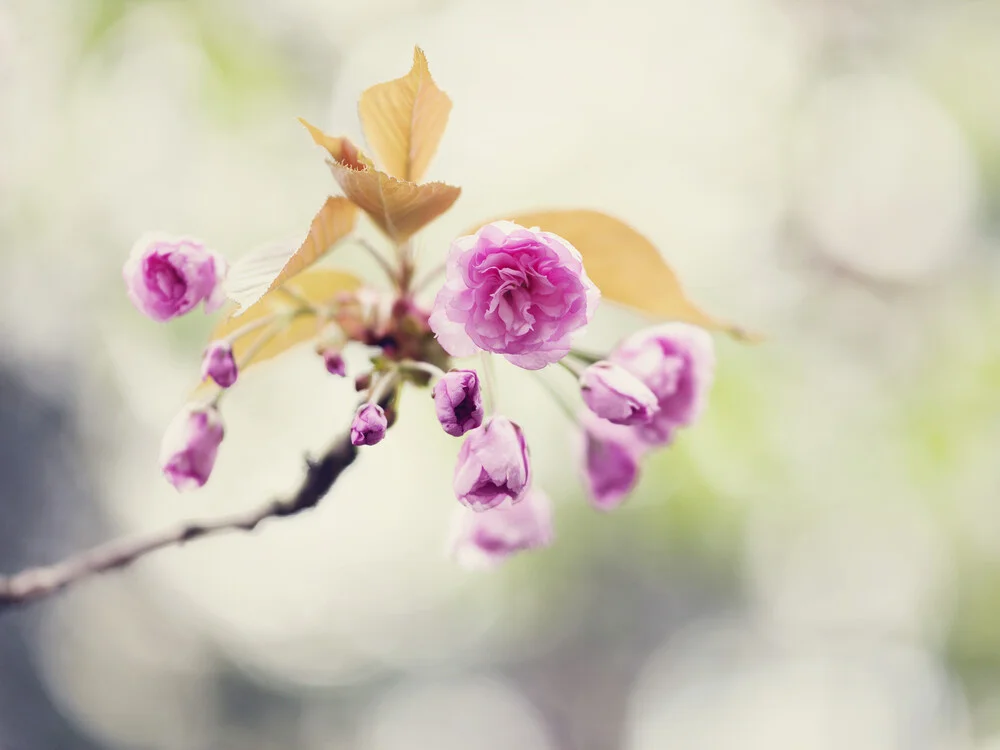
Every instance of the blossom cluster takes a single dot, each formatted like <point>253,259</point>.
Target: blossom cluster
<point>510,291</point>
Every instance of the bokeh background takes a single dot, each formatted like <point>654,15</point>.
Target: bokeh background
<point>815,565</point>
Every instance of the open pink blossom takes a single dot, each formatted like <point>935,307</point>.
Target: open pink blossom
<point>676,361</point>
<point>190,445</point>
<point>513,291</point>
<point>166,277</point>
<point>483,540</point>
<point>492,465</point>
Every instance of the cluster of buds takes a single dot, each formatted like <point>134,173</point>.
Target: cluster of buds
<point>510,291</point>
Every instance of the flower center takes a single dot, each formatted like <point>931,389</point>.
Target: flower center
<point>165,278</point>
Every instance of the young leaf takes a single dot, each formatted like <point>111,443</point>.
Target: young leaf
<point>341,150</point>
<point>399,208</point>
<point>318,286</point>
<point>404,119</point>
<point>626,266</point>
<point>265,269</point>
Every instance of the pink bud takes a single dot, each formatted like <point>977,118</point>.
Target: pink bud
<point>334,362</point>
<point>614,394</point>
<point>611,455</point>
<point>676,361</point>
<point>166,277</point>
<point>219,364</point>
<point>458,402</point>
<point>482,540</point>
<point>369,425</point>
<point>189,447</point>
<point>492,465</point>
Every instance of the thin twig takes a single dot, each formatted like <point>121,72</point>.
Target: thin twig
<point>38,583</point>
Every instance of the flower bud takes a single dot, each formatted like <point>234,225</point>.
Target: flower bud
<point>167,277</point>
<point>458,402</point>
<point>482,540</point>
<point>369,426</point>
<point>676,361</point>
<point>189,447</point>
<point>611,455</point>
<point>334,362</point>
<point>614,394</point>
<point>492,465</point>
<point>219,364</point>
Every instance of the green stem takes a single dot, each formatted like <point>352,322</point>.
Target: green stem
<point>489,383</point>
<point>560,400</point>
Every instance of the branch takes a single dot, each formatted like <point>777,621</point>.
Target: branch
<point>38,583</point>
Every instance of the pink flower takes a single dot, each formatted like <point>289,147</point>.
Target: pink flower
<point>458,402</point>
<point>219,364</point>
<point>370,424</point>
<point>167,277</point>
<point>513,291</point>
<point>676,361</point>
<point>614,394</point>
<point>611,455</point>
<point>190,445</point>
<point>483,540</point>
<point>492,465</point>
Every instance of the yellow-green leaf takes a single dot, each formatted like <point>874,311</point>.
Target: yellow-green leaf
<point>318,285</point>
<point>398,207</point>
<point>627,267</point>
<point>404,120</point>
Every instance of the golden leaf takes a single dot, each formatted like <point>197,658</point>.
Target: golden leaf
<point>334,221</point>
<point>266,268</point>
<point>317,285</point>
<point>626,266</point>
<point>399,208</point>
<point>340,149</point>
<point>404,120</point>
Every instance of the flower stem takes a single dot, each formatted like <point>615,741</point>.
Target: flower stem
<point>571,366</point>
<point>425,367</point>
<point>560,400</point>
<point>428,278</point>
<point>489,383</point>
<point>390,272</point>
<point>250,328</point>
<point>585,356</point>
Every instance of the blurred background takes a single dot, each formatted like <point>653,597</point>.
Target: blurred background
<point>815,565</point>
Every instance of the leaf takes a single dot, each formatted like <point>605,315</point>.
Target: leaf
<point>399,208</point>
<point>317,285</point>
<point>404,119</point>
<point>341,150</point>
<point>266,268</point>
<point>626,266</point>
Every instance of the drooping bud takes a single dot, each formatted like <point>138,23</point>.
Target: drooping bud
<point>166,277</point>
<point>492,465</point>
<point>614,394</point>
<point>334,362</point>
<point>369,425</point>
<point>219,364</point>
<point>676,361</point>
<point>458,402</point>
<point>190,445</point>
<point>482,540</point>
<point>610,461</point>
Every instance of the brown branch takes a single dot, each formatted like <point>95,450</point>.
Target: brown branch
<point>38,583</point>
